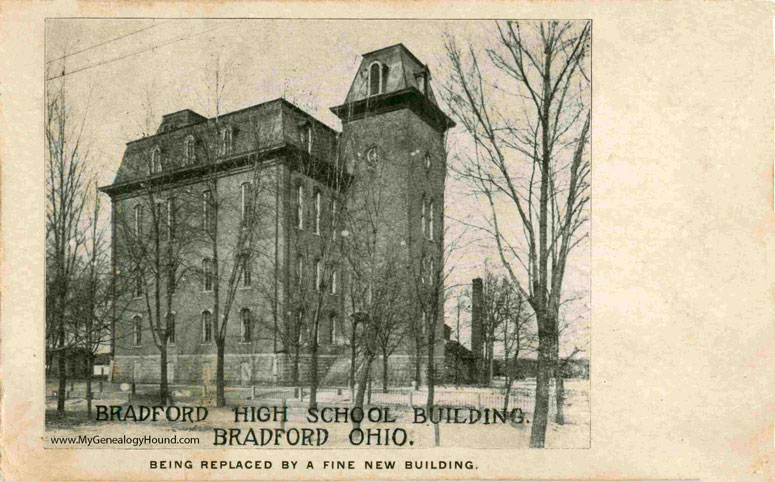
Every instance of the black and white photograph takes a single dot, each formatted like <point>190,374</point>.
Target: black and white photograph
<point>297,233</point>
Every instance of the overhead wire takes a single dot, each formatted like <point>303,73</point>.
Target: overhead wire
<point>106,42</point>
<point>154,47</point>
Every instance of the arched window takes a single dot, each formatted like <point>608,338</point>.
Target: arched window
<point>138,220</point>
<point>300,206</point>
<point>300,326</point>
<point>156,160</point>
<point>332,327</point>
<point>247,271</point>
<point>245,319</point>
<point>333,281</point>
<point>138,283</point>
<point>300,271</point>
<point>170,219</point>
<point>318,274</point>
<point>189,150</point>
<point>171,328</point>
<point>430,221</point>
<point>305,136</point>
<point>207,327</point>
<point>427,161</point>
<point>375,78</point>
<point>333,218</point>
<point>246,202</point>
<point>137,326</point>
<point>207,274</point>
<point>226,140</point>
<point>318,211</point>
<point>422,215</point>
<point>208,220</point>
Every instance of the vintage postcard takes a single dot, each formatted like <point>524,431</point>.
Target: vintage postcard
<point>506,242</point>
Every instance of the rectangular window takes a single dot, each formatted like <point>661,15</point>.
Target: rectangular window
<point>318,275</point>
<point>170,219</point>
<point>207,327</point>
<point>207,212</point>
<point>300,271</point>
<point>332,327</point>
<point>247,271</point>
<point>246,328</point>
<point>422,217</point>
<point>246,204</point>
<point>138,221</point>
<point>430,222</point>
<point>300,207</point>
<point>138,330</point>
<point>317,212</point>
<point>333,218</point>
<point>160,220</point>
<point>207,274</point>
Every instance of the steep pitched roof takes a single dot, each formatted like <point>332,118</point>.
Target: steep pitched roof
<point>404,71</point>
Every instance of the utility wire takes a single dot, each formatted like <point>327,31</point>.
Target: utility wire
<point>138,52</point>
<point>106,42</point>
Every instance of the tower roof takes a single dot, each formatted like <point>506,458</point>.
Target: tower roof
<point>391,78</point>
<point>400,69</point>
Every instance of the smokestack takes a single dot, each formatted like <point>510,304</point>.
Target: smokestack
<point>477,325</point>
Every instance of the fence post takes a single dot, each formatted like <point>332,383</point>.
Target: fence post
<point>479,400</point>
<point>411,398</point>
<point>253,392</point>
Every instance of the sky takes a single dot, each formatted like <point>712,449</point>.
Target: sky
<point>113,65</point>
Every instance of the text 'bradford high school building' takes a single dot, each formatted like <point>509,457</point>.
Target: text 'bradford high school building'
<point>270,184</point>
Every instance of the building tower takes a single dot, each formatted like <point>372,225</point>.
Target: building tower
<point>392,125</point>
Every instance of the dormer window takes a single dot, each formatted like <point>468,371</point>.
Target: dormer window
<point>189,151</point>
<point>422,82</point>
<point>305,137</point>
<point>156,160</point>
<point>377,78</point>
<point>226,138</point>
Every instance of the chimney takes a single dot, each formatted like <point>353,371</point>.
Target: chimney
<point>477,326</point>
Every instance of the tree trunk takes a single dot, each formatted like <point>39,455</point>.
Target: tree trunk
<point>352,364</point>
<point>430,371</point>
<point>384,373</point>
<point>509,381</point>
<point>417,364</point>
<point>544,375</point>
<point>362,381</point>
<point>164,386</point>
<point>90,368</point>
<point>62,368</point>
<point>559,393</point>
<point>295,371</point>
<point>220,389</point>
<point>313,385</point>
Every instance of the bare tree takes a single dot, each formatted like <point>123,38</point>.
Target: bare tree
<point>527,115</point>
<point>518,337</point>
<point>67,182</point>
<point>158,253</point>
